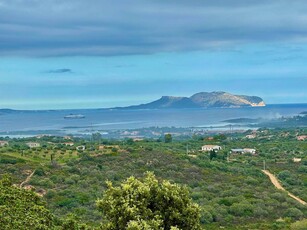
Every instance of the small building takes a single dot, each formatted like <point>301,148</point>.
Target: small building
<point>81,148</point>
<point>237,151</point>
<point>296,160</point>
<point>250,136</point>
<point>4,143</point>
<point>69,143</point>
<point>248,150</point>
<point>33,144</point>
<point>301,138</point>
<point>136,139</point>
<point>243,151</point>
<point>207,148</point>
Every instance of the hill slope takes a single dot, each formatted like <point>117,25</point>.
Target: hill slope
<point>201,100</point>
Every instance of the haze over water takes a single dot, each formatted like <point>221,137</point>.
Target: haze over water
<point>104,119</point>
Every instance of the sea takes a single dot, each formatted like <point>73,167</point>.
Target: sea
<point>27,123</point>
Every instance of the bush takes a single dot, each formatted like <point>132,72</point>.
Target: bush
<point>302,169</point>
<point>294,213</point>
<point>299,225</point>
<point>206,217</point>
<point>284,175</point>
<point>40,172</point>
<point>148,204</point>
<point>241,209</point>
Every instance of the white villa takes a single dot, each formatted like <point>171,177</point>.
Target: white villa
<point>207,148</point>
<point>33,144</point>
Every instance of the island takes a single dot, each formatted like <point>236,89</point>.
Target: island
<point>218,99</point>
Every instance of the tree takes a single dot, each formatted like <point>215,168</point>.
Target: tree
<point>22,209</point>
<point>212,154</point>
<point>168,138</point>
<point>148,204</point>
<point>220,137</point>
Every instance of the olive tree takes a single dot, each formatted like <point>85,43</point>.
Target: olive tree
<point>148,204</point>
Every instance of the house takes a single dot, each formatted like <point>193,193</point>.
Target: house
<point>136,139</point>
<point>242,151</point>
<point>296,160</point>
<point>251,136</point>
<point>301,138</point>
<point>33,144</point>
<point>69,143</point>
<point>238,151</point>
<point>3,143</point>
<point>248,150</point>
<point>81,148</point>
<point>67,137</point>
<point>207,148</point>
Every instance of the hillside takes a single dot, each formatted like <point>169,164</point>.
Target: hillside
<point>202,100</point>
<point>231,189</point>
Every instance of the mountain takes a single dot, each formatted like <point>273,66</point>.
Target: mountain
<point>223,99</point>
<point>166,102</point>
<point>201,100</point>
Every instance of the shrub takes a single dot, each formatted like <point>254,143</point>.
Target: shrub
<point>241,209</point>
<point>39,172</point>
<point>294,213</point>
<point>299,225</point>
<point>148,204</point>
<point>284,174</point>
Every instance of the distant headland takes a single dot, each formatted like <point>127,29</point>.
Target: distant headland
<point>202,100</point>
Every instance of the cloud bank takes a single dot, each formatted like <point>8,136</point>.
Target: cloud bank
<point>101,27</point>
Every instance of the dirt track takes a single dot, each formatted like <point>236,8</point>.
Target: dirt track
<point>276,183</point>
<point>27,179</point>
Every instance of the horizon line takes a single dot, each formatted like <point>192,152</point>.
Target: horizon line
<point>118,107</point>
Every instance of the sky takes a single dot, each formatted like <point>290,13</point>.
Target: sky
<point>60,54</point>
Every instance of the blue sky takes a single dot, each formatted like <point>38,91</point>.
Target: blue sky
<point>93,54</point>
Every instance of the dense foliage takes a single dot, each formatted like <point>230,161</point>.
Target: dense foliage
<point>148,204</point>
<point>21,209</point>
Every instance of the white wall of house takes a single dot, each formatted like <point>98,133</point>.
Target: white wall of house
<point>210,148</point>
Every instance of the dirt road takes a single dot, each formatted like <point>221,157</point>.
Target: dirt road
<point>276,183</point>
<point>27,179</point>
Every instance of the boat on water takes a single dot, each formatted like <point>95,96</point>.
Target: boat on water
<point>74,116</point>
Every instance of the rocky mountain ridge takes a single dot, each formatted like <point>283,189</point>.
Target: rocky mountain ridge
<point>202,100</point>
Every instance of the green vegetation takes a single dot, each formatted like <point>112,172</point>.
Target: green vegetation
<point>148,204</point>
<point>230,189</point>
<point>168,138</point>
<point>22,209</point>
